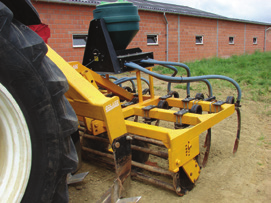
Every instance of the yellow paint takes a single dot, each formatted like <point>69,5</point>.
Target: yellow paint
<point>88,101</point>
<point>192,170</point>
<point>139,86</point>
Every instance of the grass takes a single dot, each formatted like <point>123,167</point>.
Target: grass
<point>263,141</point>
<point>252,72</point>
<point>261,138</point>
<point>259,163</point>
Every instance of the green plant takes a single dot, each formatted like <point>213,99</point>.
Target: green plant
<point>251,71</point>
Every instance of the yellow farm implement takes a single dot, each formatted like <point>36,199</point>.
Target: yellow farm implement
<point>104,119</point>
<point>120,126</point>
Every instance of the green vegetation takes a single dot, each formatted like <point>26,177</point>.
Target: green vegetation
<point>261,138</point>
<point>252,72</point>
<point>259,163</point>
<point>157,87</point>
<point>182,86</point>
<point>263,141</point>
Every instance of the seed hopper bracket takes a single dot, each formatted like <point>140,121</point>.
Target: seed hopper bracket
<point>101,57</point>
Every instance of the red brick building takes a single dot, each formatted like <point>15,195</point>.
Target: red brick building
<point>172,32</point>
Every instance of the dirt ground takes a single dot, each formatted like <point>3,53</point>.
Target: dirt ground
<point>243,177</point>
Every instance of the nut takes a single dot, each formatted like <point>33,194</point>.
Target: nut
<point>117,144</point>
<point>129,138</point>
<point>178,162</point>
<point>178,189</point>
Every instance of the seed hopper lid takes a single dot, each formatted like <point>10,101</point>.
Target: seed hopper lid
<point>104,3</point>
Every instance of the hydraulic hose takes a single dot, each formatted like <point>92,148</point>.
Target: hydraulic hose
<point>171,66</point>
<point>188,79</point>
<point>125,79</point>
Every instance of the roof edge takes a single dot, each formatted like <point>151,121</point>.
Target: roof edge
<point>95,3</point>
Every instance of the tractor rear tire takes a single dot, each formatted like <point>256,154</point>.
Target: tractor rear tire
<point>36,120</point>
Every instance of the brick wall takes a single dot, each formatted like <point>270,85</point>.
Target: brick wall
<point>268,40</point>
<point>151,23</point>
<point>254,31</point>
<point>228,29</point>
<point>65,20</point>
<point>191,27</point>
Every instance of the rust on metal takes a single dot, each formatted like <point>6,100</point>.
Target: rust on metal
<point>238,130</point>
<point>152,180</point>
<point>122,157</point>
<point>83,129</point>
<point>152,169</point>
<point>110,156</point>
<point>207,145</point>
<point>161,154</point>
<point>101,139</point>
<point>149,140</point>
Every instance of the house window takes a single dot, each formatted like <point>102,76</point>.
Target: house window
<point>231,40</point>
<point>152,39</point>
<point>255,40</point>
<point>199,39</point>
<point>79,40</point>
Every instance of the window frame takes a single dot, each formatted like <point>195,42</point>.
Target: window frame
<point>155,35</point>
<point>256,40</point>
<point>231,43</point>
<point>73,40</point>
<point>201,36</point>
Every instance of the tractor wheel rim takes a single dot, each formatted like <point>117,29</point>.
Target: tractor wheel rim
<point>15,149</point>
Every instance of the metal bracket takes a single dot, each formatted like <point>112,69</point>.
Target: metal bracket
<point>146,117</point>
<point>133,101</point>
<point>123,159</point>
<point>195,102</point>
<point>76,178</point>
<point>165,97</point>
<point>127,104</point>
<point>179,115</point>
<point>218,105</point>
<point>186,101</point>
<point>210,98</point>
<point>210,111</point>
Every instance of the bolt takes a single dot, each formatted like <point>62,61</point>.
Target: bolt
<point>129,138</point>
<point>96,126</point>
<point>191,174</point>
<point>178,162</point>
<point>117,144</point>
<point>178,189</point>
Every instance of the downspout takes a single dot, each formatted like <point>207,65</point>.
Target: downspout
<point>166,34</point>
<point>265,38</point>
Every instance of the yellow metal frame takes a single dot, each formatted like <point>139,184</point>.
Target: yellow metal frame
<point>106,114</point>
<point>87,101</point>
